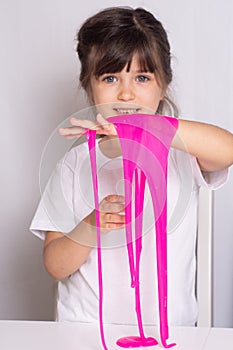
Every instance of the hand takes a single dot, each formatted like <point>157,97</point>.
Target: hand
<point>80,126</point>
<point>110,218</point>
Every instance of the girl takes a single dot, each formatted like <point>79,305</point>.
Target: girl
<point>125,68</point>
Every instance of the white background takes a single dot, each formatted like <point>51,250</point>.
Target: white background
<point>39,89</point>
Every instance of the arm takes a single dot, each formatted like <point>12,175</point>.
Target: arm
<point>211,145</point>
<point>65,254</point>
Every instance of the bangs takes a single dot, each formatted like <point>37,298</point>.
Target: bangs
<point>110,40</point>
<point>114,56</point>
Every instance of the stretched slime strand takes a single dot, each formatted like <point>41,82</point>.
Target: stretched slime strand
<point>91,138</point>
<point>145,142</point>
<point>136,341</point>
<point>140,180</point>
<point>129,168</point>
<point>151,136</point>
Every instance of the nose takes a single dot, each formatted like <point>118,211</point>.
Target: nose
<point>126,92</point>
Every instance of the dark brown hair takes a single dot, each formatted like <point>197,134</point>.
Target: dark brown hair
<point>108,40</point>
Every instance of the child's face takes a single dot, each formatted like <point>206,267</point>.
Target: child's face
<point>127,92</point>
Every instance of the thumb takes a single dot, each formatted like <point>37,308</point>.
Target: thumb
<point>108,127</point>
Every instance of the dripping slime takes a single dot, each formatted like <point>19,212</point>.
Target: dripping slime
<point>145,142</point>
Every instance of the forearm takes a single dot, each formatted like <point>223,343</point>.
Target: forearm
<point>211,145</point>
<point>66,254</point>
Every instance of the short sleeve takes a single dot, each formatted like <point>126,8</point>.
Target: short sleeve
<point>55,211</point>
<point>209,179</point>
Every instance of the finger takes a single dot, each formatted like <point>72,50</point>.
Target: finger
<point>107,207</point>
<point>115,198</point>
<point>72,137</point>
<point>114,218</point>
<point>112,203</point>
<point>112,226</point>
<point>70,131</point>
<point>108,127</point>
<point>85,124</point>
<point>101,120</point>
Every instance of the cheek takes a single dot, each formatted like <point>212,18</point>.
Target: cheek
<point>95,91</point>
<point>155,97</point>
<point>99,96</point>
<point>160,96</point>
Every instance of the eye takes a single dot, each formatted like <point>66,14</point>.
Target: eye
<point>109,79</point>
<point>142,78</point>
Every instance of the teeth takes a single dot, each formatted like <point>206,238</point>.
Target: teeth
<point>126,111</point>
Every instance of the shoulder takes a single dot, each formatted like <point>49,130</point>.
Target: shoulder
<point>74,156</point>
<point>186,166</point>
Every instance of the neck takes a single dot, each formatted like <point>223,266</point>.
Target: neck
<point>110,146</point>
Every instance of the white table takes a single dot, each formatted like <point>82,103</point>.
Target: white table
<point>30,335</point>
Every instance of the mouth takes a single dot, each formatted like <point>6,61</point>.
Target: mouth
<point>126,110</point>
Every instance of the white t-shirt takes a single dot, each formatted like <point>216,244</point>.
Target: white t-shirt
<point>68,198</point>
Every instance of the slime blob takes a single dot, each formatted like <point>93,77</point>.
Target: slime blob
<point>145,142</point>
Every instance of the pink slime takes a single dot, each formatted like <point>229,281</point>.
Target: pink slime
<point>145,142</point>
